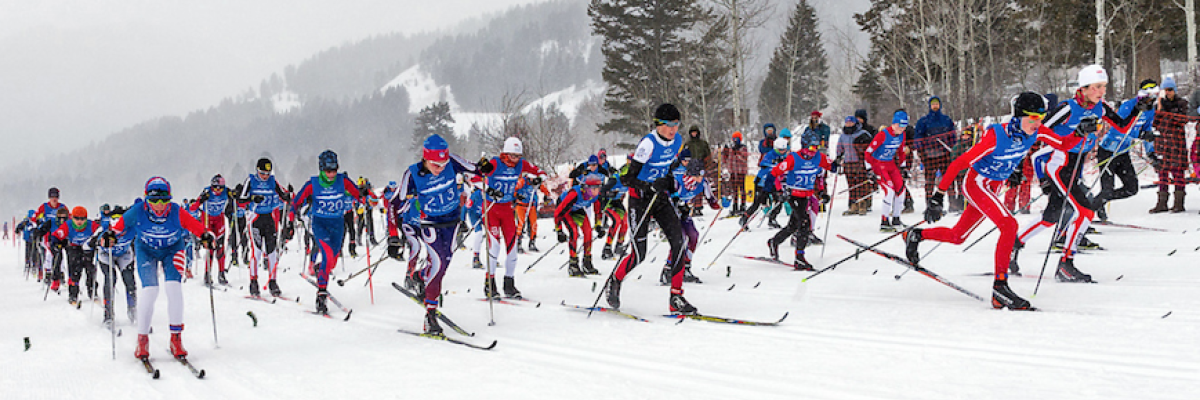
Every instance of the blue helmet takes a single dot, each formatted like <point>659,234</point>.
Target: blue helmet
<point>327,161</point>
<point>158,188</point>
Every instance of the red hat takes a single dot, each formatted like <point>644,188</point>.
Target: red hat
<point>816,114</point>
<point>737,135</point>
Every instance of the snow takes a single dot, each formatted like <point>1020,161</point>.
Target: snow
<point>285,102</point>
<point>569,100</point>
<point>855,332</point>
<point>422,89</point>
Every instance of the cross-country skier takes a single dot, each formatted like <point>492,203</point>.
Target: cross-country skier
<point>240,228</point>
<point>268,197</point>
<point>650,186</point>
<point>527,205</point>
<point>48,219</point>
<point>118,256</point>
<point>690,184</point>
<point>502,173</point>
<point>764,184</point>
<point>1113,155</point>
<point>887,145</point>
<point>612,195</point>
<point>473,209</point>
<point>572,212</point>
<point>327,192</point>
<point>1079,115</point>
<point>798,175</point>
<point>160,228</point>
<point>25,228</point>
<point>989,164</point>
<point>216,204</point>
<point>72,235</point>
<point>429,187</point>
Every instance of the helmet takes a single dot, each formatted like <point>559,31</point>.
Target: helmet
<point>53,192</point>
<point>1028,103</point>
<point>264,165</point>
<point>781,144</point>
<point>78,212</point>
<point>437,150</point>
<point>593,179</point>
<point>513,145</point>
<point>785,133</point>
<point>392,185</point>
<point>217,180</point>
<point>105,208</point>
<point>327,161</point>
<point>158,188</point>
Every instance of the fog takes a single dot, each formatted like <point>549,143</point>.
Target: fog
<point>76,71</point>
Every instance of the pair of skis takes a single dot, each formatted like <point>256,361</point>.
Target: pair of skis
<point>679,317</point>
<point>445,320</point>
<point>154,373</point>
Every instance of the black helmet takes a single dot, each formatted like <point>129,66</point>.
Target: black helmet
<point>53,192</point>
<point>327,161</point>
<point>105,209</point>
<point>217,181</point>
<point>264,164</point>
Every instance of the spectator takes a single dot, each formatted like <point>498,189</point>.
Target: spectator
<point>702,153</point>
<point>733,173</point>
<point>1171,147</point>
<point>933,138</point>
<point>816,133</point>
<point>851,144</point>
<point>767,145</point>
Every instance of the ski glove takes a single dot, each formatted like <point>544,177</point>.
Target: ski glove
<point>258,198</point>
<point>207,240</point>
<point>494,193</point>
<point>534,181</point>
<point>600,232</point>
<point>836,166</point>
<point>933,213</point>
<point>108,239</point>
<point>824,198</point>
<point>1148,136</point>
<point>485,166</point>
<point>664,186</point>
<point>289,230</point>
<point>562,237</point>
<point>1144,104</point>
<point>1087,125</point>
<point>1016,177</point>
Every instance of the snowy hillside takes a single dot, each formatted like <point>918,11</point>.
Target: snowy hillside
<point>855,332</point>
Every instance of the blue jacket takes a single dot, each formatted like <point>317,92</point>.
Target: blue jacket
<point>931,125</point>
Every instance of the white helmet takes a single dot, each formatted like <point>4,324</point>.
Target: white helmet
<point>1092,74</point>
<point>781,144</point>
<point>513,145</point>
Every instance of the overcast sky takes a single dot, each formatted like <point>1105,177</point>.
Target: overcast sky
<point>75,71</point>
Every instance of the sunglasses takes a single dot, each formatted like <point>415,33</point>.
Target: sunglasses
<point>79,218</point>
<point>159,200</point>
<point>438,164</point>
<point>667,123</point>
<point>1035,116</point>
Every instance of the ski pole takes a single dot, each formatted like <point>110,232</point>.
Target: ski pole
<point>939,244</point>
<point>212,305</point>
<point>370,274</point>
<point>829,216</point>
<point>544,254</point>
<point>633,244</point>
<point>111,306</point>
<point>989,232</point>
<point>710,226</point>
<point>1061,213</point>
<point>735,236</point>
<point>860,251</point>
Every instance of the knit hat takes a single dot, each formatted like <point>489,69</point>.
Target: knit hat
<point>1169,83</point>
<point>901,118</point>
<point>1092,74</point>
<point>667,112</point>
<point>435,149</point>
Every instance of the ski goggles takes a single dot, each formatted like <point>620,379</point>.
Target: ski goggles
<point>667,123</point>
<point>158,200</point>
<point>1035,115</point>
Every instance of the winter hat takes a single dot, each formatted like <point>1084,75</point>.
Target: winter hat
<point>781,144</point>
<point>217,180</point>
<point>78,212</point>
<point>900,117</point>
<point>1169,83</point>
<point>785,133</point>
<point>666,112</point>
<point>327,161</point>
<point>737,135</point>
<point>593,179</point>
<point>1028,103</point>
<point>1051,99</point>
<point>593,160</point>
<point>861,113</point>
<point>1092,74</point>
<point>513,145</point>
<point>686,154</point>
<point>602,153</point>
<point>53,192</point>
<point>435,149</point>
<point>816,114</point>
<point>158,188</point>
<point>263,164</point>
<point>851,120</point>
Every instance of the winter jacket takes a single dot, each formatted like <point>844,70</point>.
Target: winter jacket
<point>931,126</point>
<point>699,148</point>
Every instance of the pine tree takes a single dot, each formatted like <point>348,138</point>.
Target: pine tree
<point>796,77</point>
<point>645,56</point>
<point>434,119</point>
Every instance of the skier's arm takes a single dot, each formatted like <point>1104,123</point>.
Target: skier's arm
<point>1121,123</point>
<point>783,166</point>
<point>564,207</point>
<point>187,221</point>
<point>301,197</point>
<point>985,146</point>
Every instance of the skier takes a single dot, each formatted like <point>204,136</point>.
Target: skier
<point>48,219</point>
<point>612,195</point>
<point>367,212</point>
<point>502,173</point>
<point>72,235</point>
<point>887,145</point>
<point>798,173</point>
<point>474,214</point>
<point>239,236</point>
<point>429,186</point>
<point>216,204</point>
<point>1079,115</point>
<point>25,228</point>
<point>160,228</point>
<point>690,184</point>
<point>1113,155</point>
<point>268,197</point>
<point>572,212</point>
<point>733,173</point>
<point>327,192</point>
<point>650,186</point>
<point>527,204</point>
<point>116,257</point>
<point>989,163</point>
<point>764,185</point>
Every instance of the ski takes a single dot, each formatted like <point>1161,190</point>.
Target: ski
<point>441,317</point>
<point>914,267</point>
<point>513,301</point>
<point>332,299</point>
<point>769,260</point>
<point>725,320</point>
<point>260,298</point>
<point>287,299</point>
<point>149,367</point>
<point>198,373</point>
<point>1129,226</point>
<point>612,311</point>
<point>445,338</point>
<point>860,251</point>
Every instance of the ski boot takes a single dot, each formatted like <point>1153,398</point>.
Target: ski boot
<point>680,305</point>
<point>813,240</point>
<point>607,253</point>
<point>614,292</point>
<point>886,225</point>
<point>587,266</point>
<point>897,224</point>
<point>1068,273</point>
<point>254,287</point>
<point>621,250</point>
<point>143,347</point>
<point>743,221</point>
<point>801,264</point>
<point>510,288</point>
<point>54,286</point>
<point>221,278</point>
<point>532,247</point>
<point>1014,269</point>
<point>1003,297</point>
<point>774,224</point>
<point>208,279</point>
<point>664,279</point>
<point>573,268</point>
<point>475,264</point>
<point>773,248</point>
<point>912,239</point>
<point>353,250</point>
<point>322,295</point>
<point>274,288</point>
<point>177,342</point>
<point>431,323</point>
<point>233,261</point>
<point>520,248</point>
<point>489,287</point>
<point>688,277</point>
<point>108,316</point>
<point>1085,244</point>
